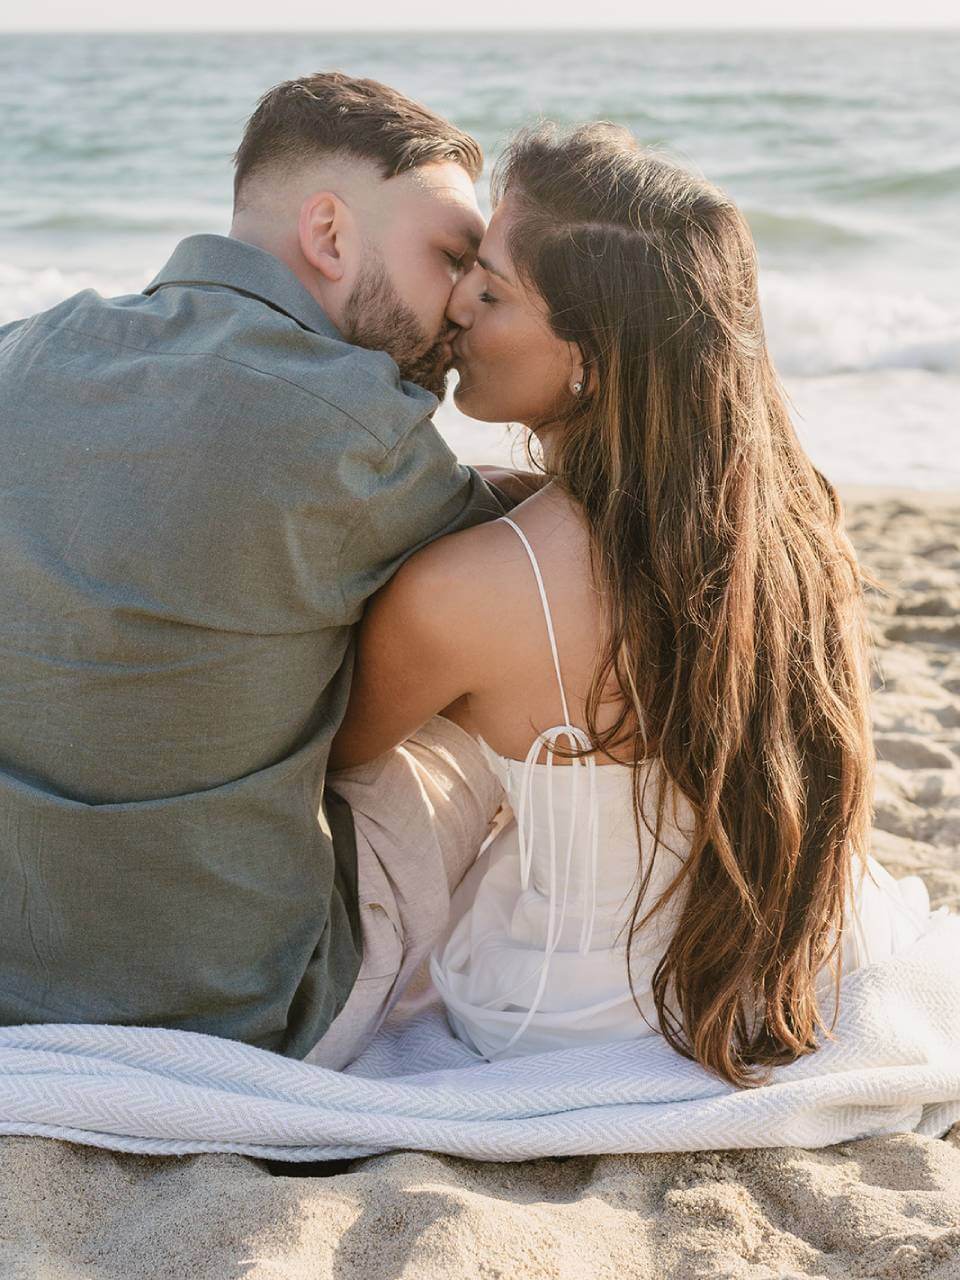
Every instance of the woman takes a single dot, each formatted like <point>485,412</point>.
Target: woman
<point>661,653</point>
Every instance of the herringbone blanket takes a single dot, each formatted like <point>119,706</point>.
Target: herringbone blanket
<point>893,1066</point>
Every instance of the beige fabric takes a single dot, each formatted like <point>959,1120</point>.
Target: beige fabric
<point>421,813</point>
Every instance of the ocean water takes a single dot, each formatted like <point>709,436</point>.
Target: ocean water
<point>842,149</point>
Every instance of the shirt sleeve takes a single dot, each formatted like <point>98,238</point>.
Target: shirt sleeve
<point>415,492</point>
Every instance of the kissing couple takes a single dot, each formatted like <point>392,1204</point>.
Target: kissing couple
<point>296,704</point>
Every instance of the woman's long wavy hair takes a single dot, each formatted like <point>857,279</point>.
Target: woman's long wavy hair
<point>733,599</point>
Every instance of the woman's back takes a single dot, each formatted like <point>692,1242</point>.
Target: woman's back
<point>535,957</point>
<point>517,693</point>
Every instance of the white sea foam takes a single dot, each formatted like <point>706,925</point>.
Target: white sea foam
<point>890,428</point>
<point>815,327</point>
<point>819,326</point>
<point>874,377</point>
<point>25,291</point>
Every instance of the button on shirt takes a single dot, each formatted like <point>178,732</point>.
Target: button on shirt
<point>200,486</point>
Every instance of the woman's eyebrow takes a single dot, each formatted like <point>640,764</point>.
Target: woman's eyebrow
<point>488,266</point>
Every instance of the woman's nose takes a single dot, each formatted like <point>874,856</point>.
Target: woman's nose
<point>459,310</point>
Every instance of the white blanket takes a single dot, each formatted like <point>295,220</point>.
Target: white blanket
<point>894,1066</point>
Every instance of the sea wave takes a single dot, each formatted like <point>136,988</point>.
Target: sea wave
<point>815,326</point>
<point>123,217</point>
<point>894,427</point>
<point>801,231</point>
<point>912,184</point>
<point>796,98</point>
<point>25,291</point>
<point>100,221</point>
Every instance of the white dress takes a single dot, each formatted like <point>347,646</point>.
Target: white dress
<point>534,956</point>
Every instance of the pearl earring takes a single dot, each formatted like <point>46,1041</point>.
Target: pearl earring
<point>577,388</point>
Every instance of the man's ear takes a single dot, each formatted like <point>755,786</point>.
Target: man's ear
<point>322,228</point>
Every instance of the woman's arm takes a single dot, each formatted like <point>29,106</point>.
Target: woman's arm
<point>415,652</point>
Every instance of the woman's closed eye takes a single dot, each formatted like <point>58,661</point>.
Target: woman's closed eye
<point>486,297</point>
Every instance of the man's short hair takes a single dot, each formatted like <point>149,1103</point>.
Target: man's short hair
<point>332,113</point>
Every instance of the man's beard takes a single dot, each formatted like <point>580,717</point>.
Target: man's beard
<point>375,317</point>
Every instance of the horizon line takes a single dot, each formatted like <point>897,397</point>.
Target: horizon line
<point>685,29</point>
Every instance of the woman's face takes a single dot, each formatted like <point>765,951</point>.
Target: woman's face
<point>512,366</point>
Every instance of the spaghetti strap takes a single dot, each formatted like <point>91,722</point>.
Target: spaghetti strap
<point>556,906</point>
<point>526,826</point>
<point>548,617</point>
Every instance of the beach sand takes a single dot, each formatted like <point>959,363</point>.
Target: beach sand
<point>885,1208</point>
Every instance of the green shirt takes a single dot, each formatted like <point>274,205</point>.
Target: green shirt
<point>200,486</point>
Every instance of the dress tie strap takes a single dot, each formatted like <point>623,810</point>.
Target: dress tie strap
<point>548,741</point>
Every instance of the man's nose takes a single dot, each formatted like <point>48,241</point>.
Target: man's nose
<point>458,308</point>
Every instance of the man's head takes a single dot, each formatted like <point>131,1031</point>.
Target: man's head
<point>368,198</point>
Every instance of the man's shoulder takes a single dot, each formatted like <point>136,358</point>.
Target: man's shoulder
<point>363,387</point>
<point>360,388</point>
<point>211,336</point>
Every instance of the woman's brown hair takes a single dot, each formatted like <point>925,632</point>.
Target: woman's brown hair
<point>734,602</point>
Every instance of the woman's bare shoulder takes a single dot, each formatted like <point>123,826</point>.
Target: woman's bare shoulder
<point>456,585</point>
<point>481,556</point>
<point>473,547</point>
<point>470,572</point>
<point>458,563</point>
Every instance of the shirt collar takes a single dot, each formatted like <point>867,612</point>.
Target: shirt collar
<point>233,264</point>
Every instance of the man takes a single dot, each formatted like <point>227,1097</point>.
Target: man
<point>202,484</point>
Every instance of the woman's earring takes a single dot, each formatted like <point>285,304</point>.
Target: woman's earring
<point>577,388</point>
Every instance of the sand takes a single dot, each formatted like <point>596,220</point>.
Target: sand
<point>885,1207</point>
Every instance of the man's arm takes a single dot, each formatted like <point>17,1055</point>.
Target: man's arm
<point>406,498</point>
<point>514,486</point>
